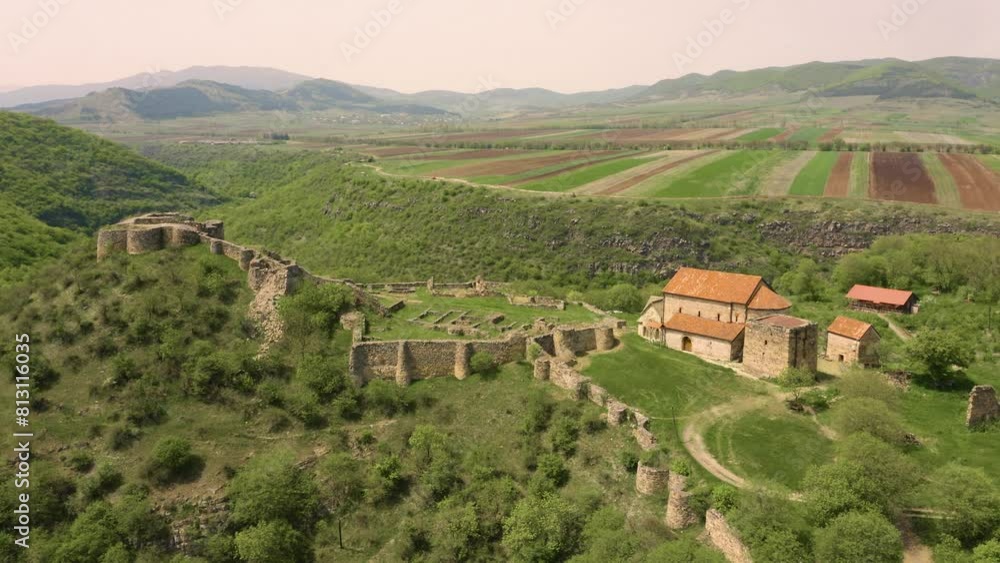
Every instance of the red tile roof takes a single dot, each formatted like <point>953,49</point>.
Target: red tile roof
<point>849,328</point>
<point>767,300</point>
<point>721,287</point>
<point>653,324</point>
<point>704,327</point>
<point>880,295</point>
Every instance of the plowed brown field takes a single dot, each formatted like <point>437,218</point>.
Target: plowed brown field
<point>978,187</point>
<point>901,177</point>
<point>839,183</point>
<point>636,180</point>
<point>830,135</point>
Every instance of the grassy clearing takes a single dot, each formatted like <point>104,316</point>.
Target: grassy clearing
<point>991,161</point>
<point>810,135</point>
<point>666,383</point>
<point>399,326</point>
<point>813,177</point>
<point>945,186</point>
<point>737,173</point>
<point>860,175</point>
<point>769,446</point>
<point>577,178</point>
<point>760,134</point>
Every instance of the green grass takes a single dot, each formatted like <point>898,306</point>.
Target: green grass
<point>761,134</point>
<point>666,383</point>
<point>860,175</point>
<point>736,173</point>
<point>399,326</point>
<point>810,135</point>
<point>577,178</point>
<point>772,446</point>
<point>945,186</point>
<point>991,161</point>
<point>813,177</point>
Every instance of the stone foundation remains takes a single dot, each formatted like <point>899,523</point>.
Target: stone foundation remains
<point>408,360</point>
<point>537,301</point>
<point>725,539</point>
<point>679,514</point>
<point>650,480</point>
<point>983,406</point>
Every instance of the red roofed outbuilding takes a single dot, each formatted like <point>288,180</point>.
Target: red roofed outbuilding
<point>850,341</point>
<point>869,298</point>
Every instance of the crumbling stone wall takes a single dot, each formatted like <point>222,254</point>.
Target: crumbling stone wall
<point>983,406</point>
<point>770,347</point>
<point>650,480</point>
<point>271,280</point>
<point>568,342</point>
<point>725,539</point>
<point>110,241</point>
<point>408,360</point>
<point>537,301</point>
<point>679,514</point>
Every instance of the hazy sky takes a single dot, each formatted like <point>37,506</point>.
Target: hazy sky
<point>410,45</point>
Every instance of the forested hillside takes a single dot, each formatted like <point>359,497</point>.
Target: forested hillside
<point>67,178</point>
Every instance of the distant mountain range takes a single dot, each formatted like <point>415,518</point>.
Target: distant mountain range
<point>218,89</point>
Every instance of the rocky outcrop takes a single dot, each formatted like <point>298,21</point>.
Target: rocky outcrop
<point>725,539</point>
<point>983,406</point>
<point>679,514</point>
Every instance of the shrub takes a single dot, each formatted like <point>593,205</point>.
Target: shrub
<point>172,459</point>
<point>273,488</point>
<point>681,466</point>
<point>858,536</point>
<point>104,481</point>
<point>724,498</point>
<point>273,542</point>
<point>870,416</point>
<point>122,437</point>
<point>565,433</point>
<point>629,460</point>
<point>796,377</point>
<point>123,370</point>
<point>206,375</point>
<point>80,461</point>
<point>483,363</point>
<point>534,351</point>
<point>322,374</point>
<point>538,412</point>
<point>387,479</point>
<point>543,528</point>
<point>385,397</point>
<point>553,468</point>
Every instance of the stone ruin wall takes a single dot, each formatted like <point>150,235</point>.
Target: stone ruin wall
<point>407,360</point>
<point>983,406</point>
<point>650,480</point>
<point>725,539</point>
<point>770,349</point>
<point>679,514</point>
<point>538,301</point>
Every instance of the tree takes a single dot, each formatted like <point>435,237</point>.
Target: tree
<point>344,486</point>
<point>273,542</point>
<point>273,488</point>
<point>172,459</point>
<point>323,375</point>
<point>607,538</point>
<point>988,552</point>
<point>482,363</point>
<point>870,416</point>
<point>804,281</point>
<point>541,529</point>
<point>859,536</point>
<point>971,497</point>
<point>936,354</point>
<point>313,310</point>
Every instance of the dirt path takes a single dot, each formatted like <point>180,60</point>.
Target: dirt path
<point>694,443</point>
<point>901,332</point>
<point>780,180</point>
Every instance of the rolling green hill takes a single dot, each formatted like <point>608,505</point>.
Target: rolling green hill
<point>953,77</point>
<point>68,178</point>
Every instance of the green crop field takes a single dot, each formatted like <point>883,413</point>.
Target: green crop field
<point>813,177</point>
<point>860,175</point>
<point>735,173</point>
<point>761,134</point>
<point>809,134</point>
<point>576,178</point>
<point>945,187</point>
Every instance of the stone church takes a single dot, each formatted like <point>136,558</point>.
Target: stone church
<point>710,314</point>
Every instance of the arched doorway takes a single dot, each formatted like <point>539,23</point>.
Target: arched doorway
<point>686,344</point>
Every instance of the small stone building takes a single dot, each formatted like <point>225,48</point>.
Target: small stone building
<point>704,337</point>
<point>777,342</point>
<point>850,341</point>
<point>880,299</point>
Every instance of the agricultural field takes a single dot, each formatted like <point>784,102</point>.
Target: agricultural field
<point>978,186</point>
<point>731,174</point>
<point>839,182</point>
<point>901,177</point>
<point>813,178</point>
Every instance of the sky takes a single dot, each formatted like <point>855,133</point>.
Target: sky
<point>471,45</point>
